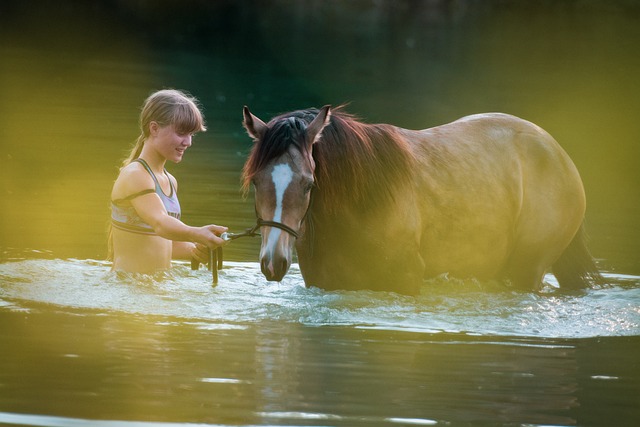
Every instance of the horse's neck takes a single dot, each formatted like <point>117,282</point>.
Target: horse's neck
<point>363,169</point>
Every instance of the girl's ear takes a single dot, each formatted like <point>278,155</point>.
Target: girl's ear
<point>153,128</point>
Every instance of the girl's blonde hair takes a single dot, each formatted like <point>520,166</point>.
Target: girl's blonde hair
<point>167,107</point>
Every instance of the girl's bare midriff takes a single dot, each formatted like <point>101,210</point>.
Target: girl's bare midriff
<point>140,253</point>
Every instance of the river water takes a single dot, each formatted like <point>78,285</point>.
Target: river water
<point>83,346</point>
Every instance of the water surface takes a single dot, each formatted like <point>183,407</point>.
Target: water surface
<point>89,345</point>
<point>81,345</point>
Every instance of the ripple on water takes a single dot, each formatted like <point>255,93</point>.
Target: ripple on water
<point>244,297</point>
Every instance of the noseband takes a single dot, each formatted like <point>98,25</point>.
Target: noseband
<point>263,223</point>
<point>253,231</point>
<point>215,255</point>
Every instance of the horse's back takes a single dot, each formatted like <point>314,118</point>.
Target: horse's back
<point>543,166</point>
<point>497,192</point>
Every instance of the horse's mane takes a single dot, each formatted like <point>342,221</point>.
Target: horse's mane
<point>358,165</point>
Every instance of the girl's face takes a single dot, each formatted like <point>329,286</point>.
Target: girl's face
<point>170,144</point>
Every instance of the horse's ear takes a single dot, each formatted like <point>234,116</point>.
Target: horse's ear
<point>314,130</point>
<point>255,127</point>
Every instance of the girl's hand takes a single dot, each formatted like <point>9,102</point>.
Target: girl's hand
<point>210,235</point>
<point>200,253</point>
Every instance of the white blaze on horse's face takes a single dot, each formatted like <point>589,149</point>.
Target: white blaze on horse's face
<point>282,197</point>
<point>281,177</point>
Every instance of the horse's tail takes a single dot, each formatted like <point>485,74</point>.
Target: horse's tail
<point>576,269</point>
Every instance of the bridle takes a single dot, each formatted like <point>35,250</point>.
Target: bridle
<point>215,255</point>
<point>263,223</point>
<point>253,231</point>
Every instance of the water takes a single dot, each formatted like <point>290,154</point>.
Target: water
<point>243,296</point>
<point>81,345</point>
<point>90,344</point>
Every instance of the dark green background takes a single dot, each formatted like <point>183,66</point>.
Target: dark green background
<point>74,74</point>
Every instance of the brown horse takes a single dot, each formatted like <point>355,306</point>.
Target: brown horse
<point>374,206</point>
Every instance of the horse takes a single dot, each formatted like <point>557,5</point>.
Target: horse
<point>374,206</point>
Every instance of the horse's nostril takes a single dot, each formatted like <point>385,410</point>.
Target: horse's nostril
<point>264,266</point>
<point>274,270</point>
<point>283,267</point>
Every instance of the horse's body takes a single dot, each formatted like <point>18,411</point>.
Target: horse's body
<point>489,196</point>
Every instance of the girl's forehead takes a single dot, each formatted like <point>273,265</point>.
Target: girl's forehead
<point>185,127</point>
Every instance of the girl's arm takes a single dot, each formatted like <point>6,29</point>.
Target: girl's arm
<point>150,208</point>
<point>187,250</point>
<point>133,179</point>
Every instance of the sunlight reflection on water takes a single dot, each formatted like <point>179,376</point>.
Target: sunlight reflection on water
<point>244,297</point>
<point>49,421</point>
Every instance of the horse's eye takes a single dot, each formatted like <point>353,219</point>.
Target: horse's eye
<point>308,187</point>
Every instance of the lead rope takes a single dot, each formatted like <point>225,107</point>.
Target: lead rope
<point>215,255</point>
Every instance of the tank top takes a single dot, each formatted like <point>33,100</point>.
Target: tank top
<point>124,216</point>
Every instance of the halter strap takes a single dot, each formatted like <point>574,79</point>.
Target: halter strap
<point>263,223</point>
<point>215,255</point>
<point>253,231</point>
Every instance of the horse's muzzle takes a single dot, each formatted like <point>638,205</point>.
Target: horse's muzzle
<point>274,268</point>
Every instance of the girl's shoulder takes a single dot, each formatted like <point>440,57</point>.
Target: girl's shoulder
<point>132,178</point>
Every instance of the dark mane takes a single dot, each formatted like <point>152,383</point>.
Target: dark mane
<point>284,130</point>
<point>358,165</point>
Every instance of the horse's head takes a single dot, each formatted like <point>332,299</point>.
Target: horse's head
<point>281,169</point>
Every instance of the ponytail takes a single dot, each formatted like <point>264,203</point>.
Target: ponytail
<point>135,151</point>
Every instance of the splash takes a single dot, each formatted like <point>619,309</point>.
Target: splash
<point>243,297</point>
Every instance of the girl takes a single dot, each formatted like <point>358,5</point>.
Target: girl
<point>146,231</point>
